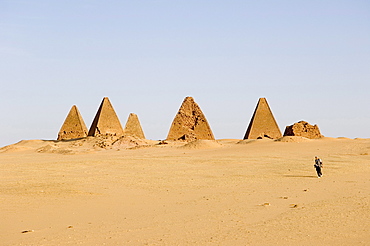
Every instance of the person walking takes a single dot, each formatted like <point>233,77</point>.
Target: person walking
<point>318,165</point>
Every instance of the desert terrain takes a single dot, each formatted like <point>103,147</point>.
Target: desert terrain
<point>206,192</point>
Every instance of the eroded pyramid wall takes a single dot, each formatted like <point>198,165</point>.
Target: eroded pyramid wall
<point>190,123</point>
<point>303,129</point>
<point>263,123</point>
<point>73,126</point>
<point>133,127</point>
<point>106,121</point>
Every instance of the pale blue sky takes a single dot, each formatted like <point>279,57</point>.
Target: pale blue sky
<point>310,59</point>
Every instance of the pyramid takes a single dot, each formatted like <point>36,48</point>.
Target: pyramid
<point>73,126</point>
<point>303,129</point>
<point>133,127</point>
<point>190,123</point>
<point>263,123</point>
<point>106,121</point>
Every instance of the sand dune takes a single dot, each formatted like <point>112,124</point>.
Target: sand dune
<point>293,139</point>
<point>202,144</point>
<point>78,146</point>
<point>227,192</point>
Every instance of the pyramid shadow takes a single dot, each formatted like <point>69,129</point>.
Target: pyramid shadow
<point>62,140</point>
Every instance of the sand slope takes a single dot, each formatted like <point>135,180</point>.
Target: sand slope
<point>264,192</point>
<point>202,144</point>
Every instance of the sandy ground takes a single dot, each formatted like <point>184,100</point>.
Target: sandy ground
<point>223,192</point>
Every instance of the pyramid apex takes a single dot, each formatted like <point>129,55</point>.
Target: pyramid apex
<point>74,107</point>
<point>188,99</point>
<point>262,100</point>
<point>105,99</point>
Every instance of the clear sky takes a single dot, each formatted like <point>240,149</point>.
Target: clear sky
<point>310,59</point>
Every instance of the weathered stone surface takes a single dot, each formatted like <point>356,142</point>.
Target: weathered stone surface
<point>190,123</point>
<point>106,121</point>
<point>73,126</point>
<point>263,123</point>
<point>133,127</point>
<point>303,129</point>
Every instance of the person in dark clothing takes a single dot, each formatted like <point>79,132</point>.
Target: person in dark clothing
<point>318,165</point>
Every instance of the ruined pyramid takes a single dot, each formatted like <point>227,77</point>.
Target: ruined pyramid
<point>190,123</point>
<point>262,124</point>
<point>133,127</point>
<point>303,129</point>
<point>106,121</point>
<point>73,126</point>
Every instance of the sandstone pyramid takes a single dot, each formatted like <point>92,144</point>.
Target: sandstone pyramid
<point>73,126</point>
<point>303,129</point>
<point>190,123</point>
<point>133,127</point>
<point>263,123</point>
<point>106,121</point>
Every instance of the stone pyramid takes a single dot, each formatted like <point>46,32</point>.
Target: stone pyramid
<point>262,124</point>
<point>133,127</point>
<point>303,129</point>
<point>73,126</point>
<point>190,123</point>
<point>106,121</point>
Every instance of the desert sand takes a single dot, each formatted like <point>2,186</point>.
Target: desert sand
<point>224,192</point>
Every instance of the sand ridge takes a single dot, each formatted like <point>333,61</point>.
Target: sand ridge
<point>202,144</point>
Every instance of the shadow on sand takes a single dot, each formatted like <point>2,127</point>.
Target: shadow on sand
<point>300,176</point>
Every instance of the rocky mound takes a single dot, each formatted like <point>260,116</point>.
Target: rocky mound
<point>303,129</point>
<point>114,142</point>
